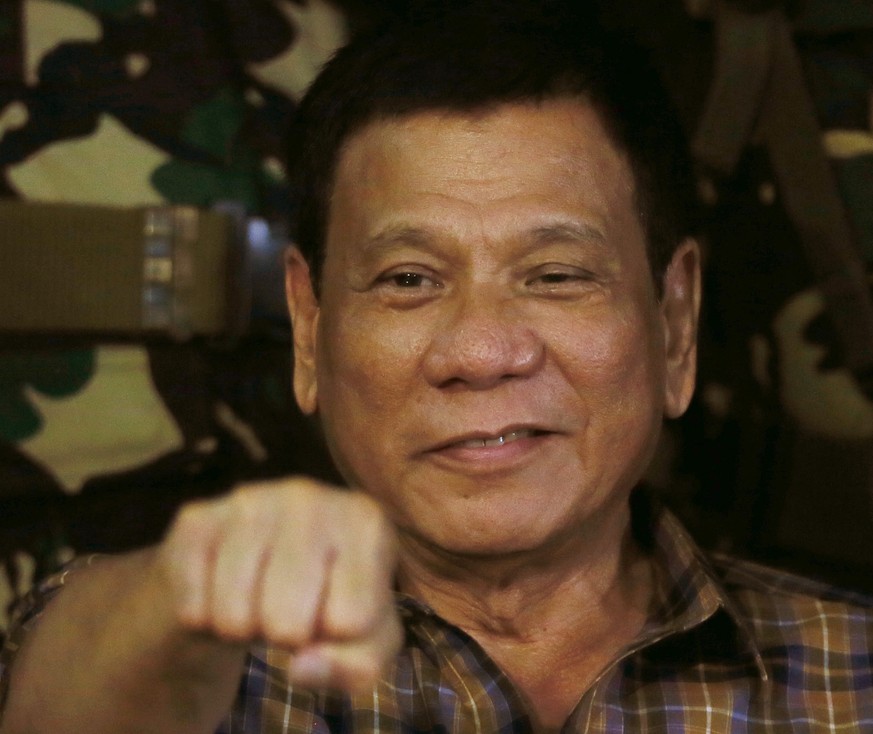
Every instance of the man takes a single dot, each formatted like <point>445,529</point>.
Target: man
<point>494,305</point>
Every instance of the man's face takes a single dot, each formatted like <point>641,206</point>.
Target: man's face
<point>488,356</point>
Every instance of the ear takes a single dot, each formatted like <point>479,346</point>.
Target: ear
<point>680,310</point>
<point>304,310</point>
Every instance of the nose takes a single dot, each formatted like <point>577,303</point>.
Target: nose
<point>484,340</point>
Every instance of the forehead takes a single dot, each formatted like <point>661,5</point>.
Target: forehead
<point>490,169</point>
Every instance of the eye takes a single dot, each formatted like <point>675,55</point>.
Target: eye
<point>406,287</point>
<point>555,276</point>
<point>407,280</point>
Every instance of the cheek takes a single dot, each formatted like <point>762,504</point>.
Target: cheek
<point>366,374</point>
<point>367,353</point>
<point>618,376</point>
<point>611,352</point>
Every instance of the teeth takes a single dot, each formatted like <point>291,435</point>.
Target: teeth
<point>481,443</point>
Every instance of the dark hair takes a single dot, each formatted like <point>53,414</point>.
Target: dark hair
<point>475,58</point>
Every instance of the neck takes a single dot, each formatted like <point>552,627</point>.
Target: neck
<point>583,572</point>
<point>550,618</point>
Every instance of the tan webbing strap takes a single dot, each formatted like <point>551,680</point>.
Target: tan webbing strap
<point>790,129</point>
<point>128,271</point>
<point>742,68</point>
<point>760,90</point>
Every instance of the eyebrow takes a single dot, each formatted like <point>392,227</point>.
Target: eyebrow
<point>396,235</point>
<point>567,230</point>
<point>538,236</point>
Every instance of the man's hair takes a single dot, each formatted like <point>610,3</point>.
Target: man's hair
<point>472,60</point>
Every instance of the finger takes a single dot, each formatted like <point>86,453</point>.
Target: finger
<point>240,558</point>
<point>185,560</point>
<point>359,586</point>
<point>295,574</point>
<point>351,666</point>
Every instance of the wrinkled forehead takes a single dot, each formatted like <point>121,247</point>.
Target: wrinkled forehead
<point>581,125</point>
<point>519,172</point>
<point>555,149</point>
<point>480,117</point>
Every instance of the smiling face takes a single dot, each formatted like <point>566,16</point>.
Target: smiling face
<point>488,355</point>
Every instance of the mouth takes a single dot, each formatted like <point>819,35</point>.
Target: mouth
<point>486,452</point>
<point>482,440</point>
<point>502,439</point>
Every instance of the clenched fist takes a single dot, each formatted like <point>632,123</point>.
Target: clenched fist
<point>294,563</point>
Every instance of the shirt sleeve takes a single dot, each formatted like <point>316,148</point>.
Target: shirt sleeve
<point>27,613</point>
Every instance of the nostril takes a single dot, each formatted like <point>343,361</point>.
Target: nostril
<point>453,383</point>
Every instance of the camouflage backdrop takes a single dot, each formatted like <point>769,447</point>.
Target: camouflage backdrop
<point>129,103</point>
<point>135,102</point>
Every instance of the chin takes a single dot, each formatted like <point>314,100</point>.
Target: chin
<point>483,539</point>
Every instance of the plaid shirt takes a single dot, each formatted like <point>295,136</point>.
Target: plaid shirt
<point>732,647</point>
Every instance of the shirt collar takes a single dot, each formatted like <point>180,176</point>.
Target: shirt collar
<point>689,592</point>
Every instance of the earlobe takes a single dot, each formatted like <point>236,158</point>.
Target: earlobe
<point>304,310</point>
<point>680,309</point>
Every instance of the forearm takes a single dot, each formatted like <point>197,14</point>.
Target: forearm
<point>141,643</point>
<point>108,655</point>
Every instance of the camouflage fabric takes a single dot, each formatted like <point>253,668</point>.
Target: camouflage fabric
<point>135,102</point>
<point>776,455</point>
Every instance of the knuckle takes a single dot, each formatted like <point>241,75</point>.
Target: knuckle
<point>382,528</point>
<point>374,623</point>
<point>231,624</point>
<point>365,507</point>
<point>359,614</point>
<point>283,629</point>
<point>247,506</point>
<point>304,484</point>
<point>374,526</point>
<point>295,494</point>
<point>178,582</point>
<point>354,622</point>
<point>192,520</point>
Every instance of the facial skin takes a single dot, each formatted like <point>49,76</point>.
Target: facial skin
<point>486,276</point>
